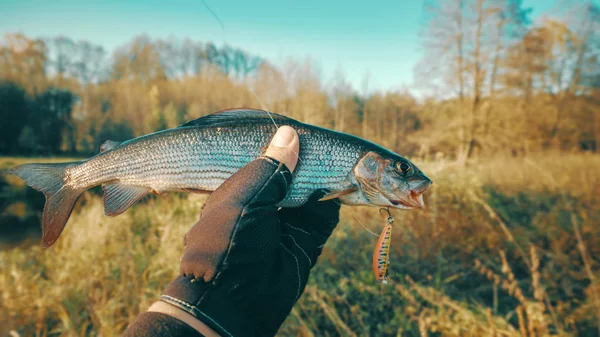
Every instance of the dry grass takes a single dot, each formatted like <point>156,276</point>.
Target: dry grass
<point>494,254</point>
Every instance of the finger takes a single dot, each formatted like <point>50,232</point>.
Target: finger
<point>284,147</point>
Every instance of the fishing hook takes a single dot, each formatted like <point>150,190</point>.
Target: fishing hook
<point>390,218</point>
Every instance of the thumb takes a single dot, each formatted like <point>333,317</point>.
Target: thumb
<point>284,147</point>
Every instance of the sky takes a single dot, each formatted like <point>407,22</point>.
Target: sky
<point>378,38</point>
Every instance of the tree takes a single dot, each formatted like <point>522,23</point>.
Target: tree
<point>50,117</point>
<point>342,96</point>
<point>14,110</point>
<point>139,60</point>
<point>464,41</point>
<point>232,61</point>
<point>181,58</point>
<point>22,61</point>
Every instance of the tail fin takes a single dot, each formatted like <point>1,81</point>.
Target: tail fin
<point>60,198</point>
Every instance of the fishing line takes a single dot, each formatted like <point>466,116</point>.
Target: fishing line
<point>262,104</point>
<point>363,226</point>
<point>214,14</point>
<point>265,109</point>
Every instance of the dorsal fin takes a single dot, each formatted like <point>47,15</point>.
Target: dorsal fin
<point>236,115</point>
<point>109,145</point>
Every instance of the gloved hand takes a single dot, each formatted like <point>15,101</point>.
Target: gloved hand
<point>246,263</point>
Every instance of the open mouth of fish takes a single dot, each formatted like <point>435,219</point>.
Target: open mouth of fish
<point>413,201</point>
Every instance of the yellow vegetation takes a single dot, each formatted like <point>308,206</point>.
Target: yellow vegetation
<point>479,261</point>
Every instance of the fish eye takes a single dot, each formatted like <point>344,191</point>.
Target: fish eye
<point>403,167</point>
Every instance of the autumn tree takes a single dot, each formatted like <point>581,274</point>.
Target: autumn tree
<point>343,102</point>
<point>181,58</point>
<point>23,61</point>
<point>80,61</point>
<point>464,41</point>
<point>552,71</point>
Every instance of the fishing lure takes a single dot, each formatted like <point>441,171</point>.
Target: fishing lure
<point>381,255</point>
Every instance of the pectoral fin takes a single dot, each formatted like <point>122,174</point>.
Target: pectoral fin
<point>337,194</point>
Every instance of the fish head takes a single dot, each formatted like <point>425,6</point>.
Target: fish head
<point>390,180</point>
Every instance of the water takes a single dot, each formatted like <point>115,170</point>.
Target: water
<point>20,213</point>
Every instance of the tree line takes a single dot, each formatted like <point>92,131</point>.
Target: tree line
<point>495,82</point>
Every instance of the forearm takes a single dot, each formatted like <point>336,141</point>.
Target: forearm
<point>163,319</point>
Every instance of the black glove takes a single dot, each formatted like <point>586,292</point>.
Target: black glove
<point>246,263</point>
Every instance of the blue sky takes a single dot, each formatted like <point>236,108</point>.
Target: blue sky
<point>380,38</point>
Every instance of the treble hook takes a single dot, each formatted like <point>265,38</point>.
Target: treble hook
<point>390,218</point>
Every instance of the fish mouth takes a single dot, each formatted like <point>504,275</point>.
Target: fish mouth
<point>419,186</point>
<point>414,200</point>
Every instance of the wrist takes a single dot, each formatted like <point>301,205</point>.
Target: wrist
<point>175,312</point>
<point>211,304</point>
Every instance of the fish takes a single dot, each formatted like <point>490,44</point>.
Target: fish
<point>201,154</point>
<point>381,253</point>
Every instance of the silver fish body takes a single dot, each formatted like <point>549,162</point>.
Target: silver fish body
<point>202,154</point>
<point>203,157</point>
